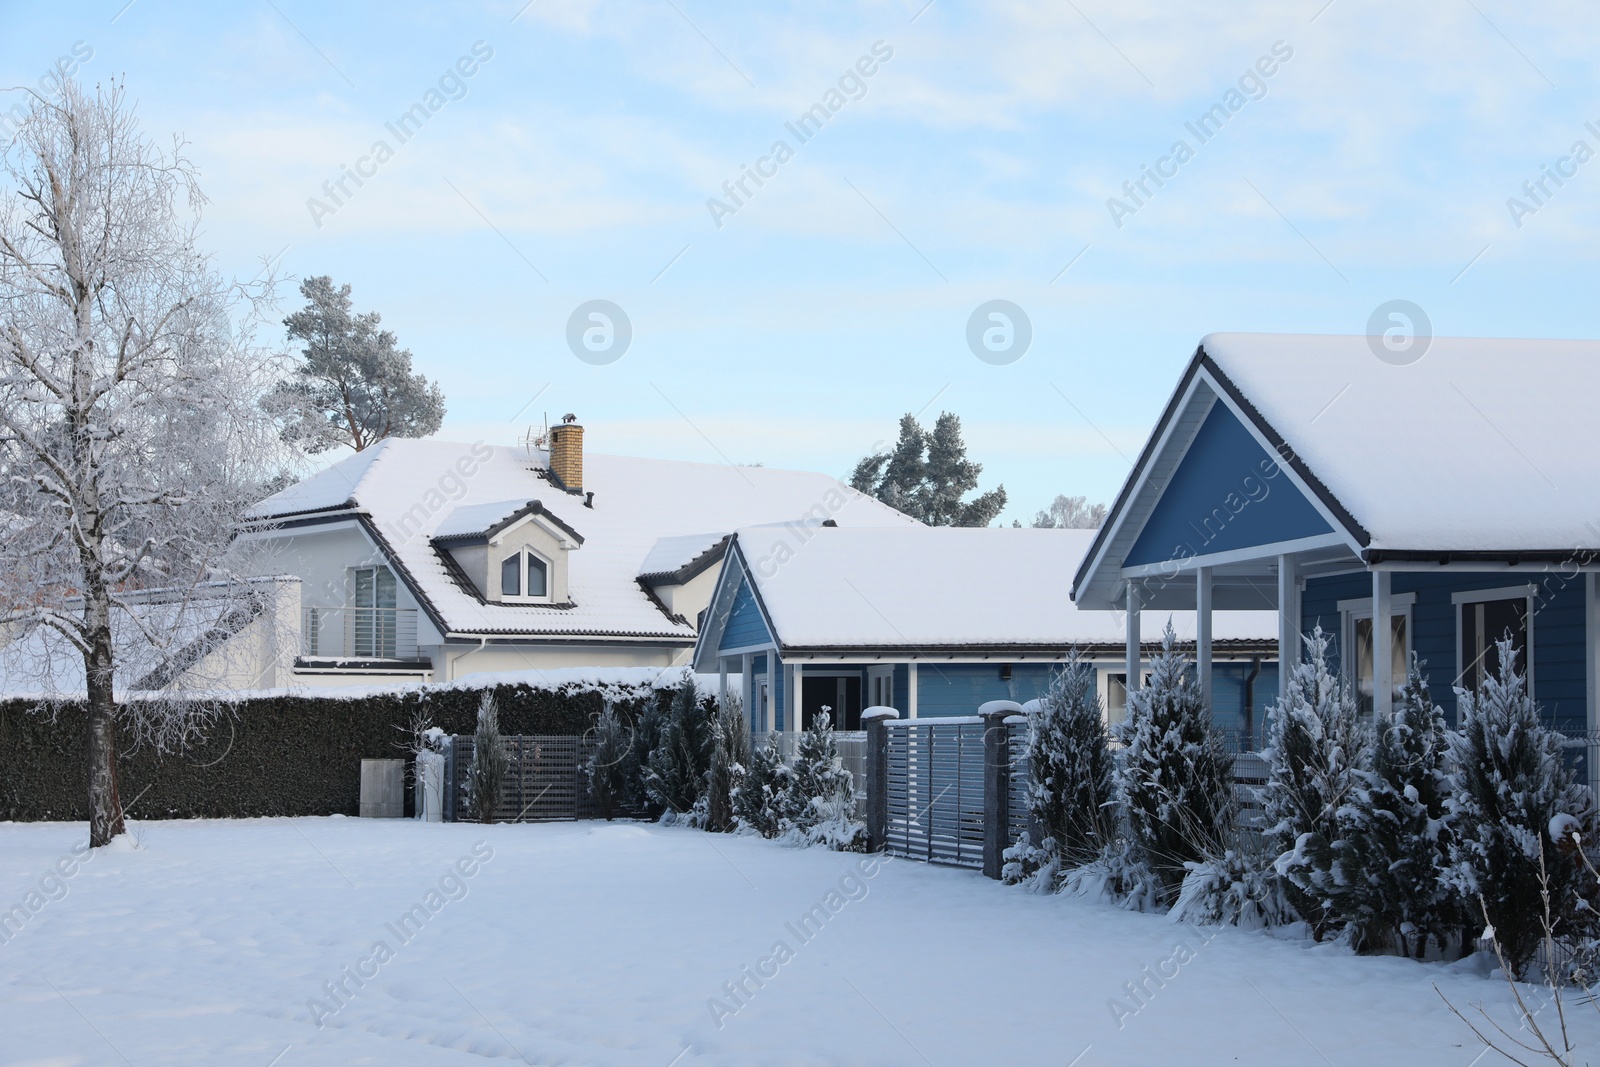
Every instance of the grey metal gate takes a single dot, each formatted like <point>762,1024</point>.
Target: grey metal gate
<point>547,779</point>
<point>935,790</point>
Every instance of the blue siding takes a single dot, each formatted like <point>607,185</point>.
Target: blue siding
<point>1558,671</point>
<point>1227,493</point>
<point>902,687</point>
<point>945,689</point>
<point>1227,697</point>
<point>745,624</point>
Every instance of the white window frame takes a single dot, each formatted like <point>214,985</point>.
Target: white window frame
<point>1108,678</point>
<point>1361,608</point>
<point>877,676</point>
<point>1525,591</point>
<point>522,555</point>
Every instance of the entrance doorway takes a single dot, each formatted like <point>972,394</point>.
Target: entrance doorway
<point>841,693</point>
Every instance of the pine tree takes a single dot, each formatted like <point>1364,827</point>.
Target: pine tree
<point>730,755</point>
<point>1510,781</point>
<point>676,775</point>
<point>1071,787</point>
<point>611,768</point>
<point>646,736</point>
<point>1176,778</point>
<point>486,774</point>
<point>755,798</point>
<point>818,799</point>
<point>928,474</point>
<point>1316,747</point>
<point>1386,887</point>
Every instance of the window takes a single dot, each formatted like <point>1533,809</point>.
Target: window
<point>372,622</point>
<point>1117,696</point>
<point>1357,616</point>
<point>880,686</point>
<point>524,576</point>
<point>1487,616</point>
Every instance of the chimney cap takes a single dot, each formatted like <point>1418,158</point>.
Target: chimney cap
<point>569,417</point>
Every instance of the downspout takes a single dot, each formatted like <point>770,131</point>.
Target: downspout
<point>482,641</point>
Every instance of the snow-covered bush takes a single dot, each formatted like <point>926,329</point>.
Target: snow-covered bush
<point>755,797</point>
<point>1508,784</point>
<point>1175,779</point>
<point>675,776</point>
<point>1071,788</point>
<point>1386,891</point>
<point>817,802</point>
<point>611,768</point>
<point>486,774</point>
<point>1317,745</point>
<point>730,754</point>
<point>1120,875</point>
<point>1237,888</point>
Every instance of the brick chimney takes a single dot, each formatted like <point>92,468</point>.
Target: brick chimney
<point>566,453</point>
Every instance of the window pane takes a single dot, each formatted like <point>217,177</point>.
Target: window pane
<point>364,580</point>
<point>537,583</point>
<point>1398,659</point>
<point>1484,623</point>
<point>511,576</point>
<point>385,588</point>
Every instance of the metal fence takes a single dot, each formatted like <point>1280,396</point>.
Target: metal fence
<point>1018,808</point>
<point>546,781</point>
<point>935,790</point>
<point>368,633</point>
<point>852,748</point>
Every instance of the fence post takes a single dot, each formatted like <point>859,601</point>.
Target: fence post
<point>996,783</point>
<point>877,775</point>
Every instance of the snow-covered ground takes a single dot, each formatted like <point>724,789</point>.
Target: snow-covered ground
<point>588,943</point>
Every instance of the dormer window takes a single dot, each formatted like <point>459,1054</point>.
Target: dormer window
<point>525,576</point>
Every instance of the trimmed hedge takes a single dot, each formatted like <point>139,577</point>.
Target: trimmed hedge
<point>273,755</point>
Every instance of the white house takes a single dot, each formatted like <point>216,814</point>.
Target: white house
<point>431,560</point>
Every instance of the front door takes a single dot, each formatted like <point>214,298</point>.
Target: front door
<point>841,694</point>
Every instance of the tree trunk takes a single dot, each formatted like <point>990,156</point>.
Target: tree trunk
<point>105,806</point>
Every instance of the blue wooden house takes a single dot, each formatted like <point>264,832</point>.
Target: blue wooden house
<point>1455,499</point>
<point>932,621</point>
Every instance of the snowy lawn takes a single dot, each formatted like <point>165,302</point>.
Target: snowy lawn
<point>588,943</point>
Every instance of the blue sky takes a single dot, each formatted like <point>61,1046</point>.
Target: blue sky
<point>975,163</point>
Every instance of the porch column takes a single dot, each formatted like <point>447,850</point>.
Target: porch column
<point>911,690</point>
<point>747,687</point>
<point>1202,631</point>
<point>792,699</point>
<point>1131,661</point>
<point>1591,662</point>
<point>722,681</point>
<point>1382,646</point>
<point>1288,624</point>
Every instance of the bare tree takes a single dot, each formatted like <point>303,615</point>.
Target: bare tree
<point>131,427</point>
<point>1071,513</point>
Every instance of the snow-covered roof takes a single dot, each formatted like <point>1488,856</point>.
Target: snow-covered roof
<point>930,588</point>
<point>676,557</point>
<point>477,518</point>
<point>1480,445</point>
<point>409,490</point>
